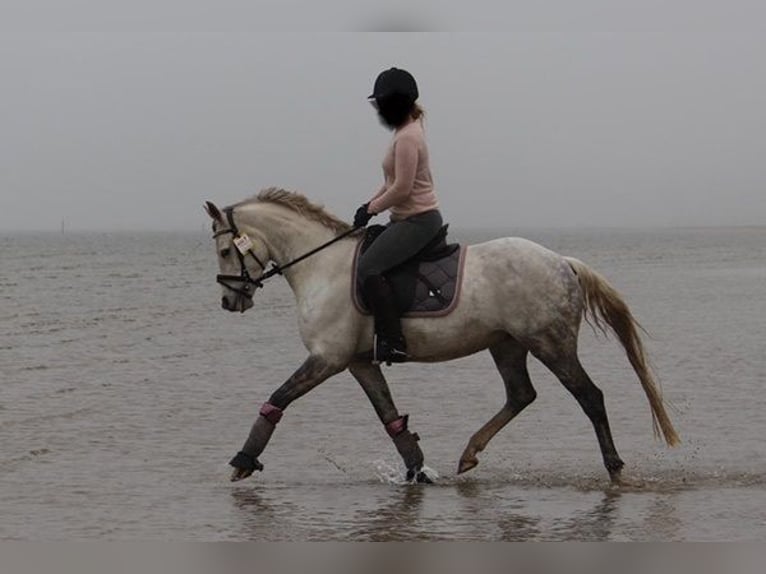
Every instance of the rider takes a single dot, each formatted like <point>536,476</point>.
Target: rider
<point>408,194</point>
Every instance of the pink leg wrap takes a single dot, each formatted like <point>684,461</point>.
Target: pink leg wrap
<point>271,413</point>
<point>397,426</point>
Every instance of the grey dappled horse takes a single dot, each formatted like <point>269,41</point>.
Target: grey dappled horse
<point>517,298</point>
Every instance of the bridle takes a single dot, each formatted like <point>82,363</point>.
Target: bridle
<point>244,284</point>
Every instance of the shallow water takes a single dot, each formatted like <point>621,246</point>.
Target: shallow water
<point>125,391</point>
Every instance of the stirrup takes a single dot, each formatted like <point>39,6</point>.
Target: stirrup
<point>384,352</point>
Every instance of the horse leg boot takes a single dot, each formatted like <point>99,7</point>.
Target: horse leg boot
<point>245,462</point>
<point>389,345</point>
<point>406,443</point>
<point>371,378</point>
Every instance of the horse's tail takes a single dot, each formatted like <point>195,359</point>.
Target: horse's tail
<point>605,305</point>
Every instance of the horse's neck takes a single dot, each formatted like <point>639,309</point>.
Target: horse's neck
<point>287,236</point>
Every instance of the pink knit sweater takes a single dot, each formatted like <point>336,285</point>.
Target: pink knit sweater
<point>408,188</point>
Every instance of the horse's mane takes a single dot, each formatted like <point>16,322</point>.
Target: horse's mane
<point>298,203</point>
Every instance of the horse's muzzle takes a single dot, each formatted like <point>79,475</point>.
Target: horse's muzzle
<point>236,303</point>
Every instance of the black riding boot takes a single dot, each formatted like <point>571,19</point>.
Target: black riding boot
<point>389,344</point>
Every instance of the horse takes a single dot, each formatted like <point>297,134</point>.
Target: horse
<point>517,298</point>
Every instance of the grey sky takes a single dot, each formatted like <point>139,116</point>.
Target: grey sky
<point>589,114</point>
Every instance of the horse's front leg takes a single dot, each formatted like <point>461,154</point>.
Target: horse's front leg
<point>375,387</point>
<point>312,372</point>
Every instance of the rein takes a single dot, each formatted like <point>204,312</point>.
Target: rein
<point>250,284</point>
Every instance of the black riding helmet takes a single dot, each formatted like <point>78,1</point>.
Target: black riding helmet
<point>394,94</point>
<point>394,82</point>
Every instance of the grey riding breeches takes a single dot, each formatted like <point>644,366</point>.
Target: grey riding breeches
<point>398,242</point>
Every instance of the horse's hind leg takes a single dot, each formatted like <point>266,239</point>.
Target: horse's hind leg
<point>511,360</point>
<point>566,366</point>
<point>375,387</point>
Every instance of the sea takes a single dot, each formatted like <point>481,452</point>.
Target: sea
<point>125,389</point>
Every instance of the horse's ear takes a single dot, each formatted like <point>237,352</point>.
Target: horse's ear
<point>213,211</point>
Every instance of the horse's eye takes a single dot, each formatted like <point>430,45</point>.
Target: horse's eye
<point>225,252</point>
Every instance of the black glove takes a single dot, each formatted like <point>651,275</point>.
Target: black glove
<point>361,218</point>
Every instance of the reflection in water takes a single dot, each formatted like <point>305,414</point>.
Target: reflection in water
<point>468,488</point>
<point>519,528</point>
<point>521,525</point>
<point>260,519</point>
<point>397,519</point>
<point>595,525</point>
<point>513,526</point>
<point>461,510</point>
<point>248,499</point>
<point>662,522</point>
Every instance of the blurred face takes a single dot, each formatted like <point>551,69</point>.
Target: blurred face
<point>393,111</point>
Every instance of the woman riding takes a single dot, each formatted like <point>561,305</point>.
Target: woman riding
<point>408,194</point>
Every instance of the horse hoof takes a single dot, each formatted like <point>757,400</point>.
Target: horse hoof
<point>240,474</point>
<point>244,465</point>
<point>418,477</point>
<point>422,478</point>
<point>466,464</point>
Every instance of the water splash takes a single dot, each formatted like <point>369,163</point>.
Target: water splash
<point>388,473</point>
<point>430,473</point>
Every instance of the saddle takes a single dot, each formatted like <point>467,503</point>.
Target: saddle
<point>427,284</point>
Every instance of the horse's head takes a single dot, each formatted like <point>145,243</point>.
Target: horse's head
<point>240,260</point>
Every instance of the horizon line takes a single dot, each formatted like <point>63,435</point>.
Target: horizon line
<point>467,228</point>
